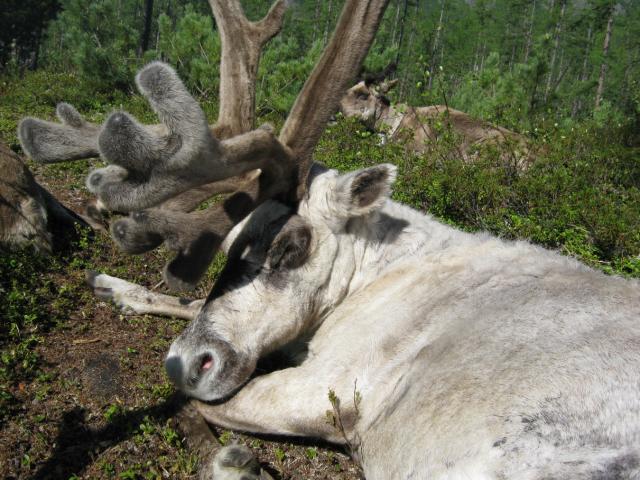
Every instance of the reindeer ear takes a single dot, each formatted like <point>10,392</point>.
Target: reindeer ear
<point>361,89</point>
<point>388,85</point>
<point>364,191</point>
<point>290,249</point>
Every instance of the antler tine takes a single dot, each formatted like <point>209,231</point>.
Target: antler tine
<point>49,142</point>
<point>241,42</point>
<point>184,202</point>
<point>191,199</point>
<point>194,236</point>
<point>332,75</point>
<point>270,25</point>
<point>147,169</point>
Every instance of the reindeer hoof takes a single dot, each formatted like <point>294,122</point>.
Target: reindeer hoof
<point>95,281</point>
<point>129,297</point>
<point>236,462</point>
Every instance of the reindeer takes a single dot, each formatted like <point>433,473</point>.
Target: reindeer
<point>428,351</point>
<point>29,214</point>
<point>418,126</point>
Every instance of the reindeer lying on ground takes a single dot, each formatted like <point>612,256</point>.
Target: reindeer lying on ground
<point>421,127</point>
<point>29,215</point>
<point>437,353</point>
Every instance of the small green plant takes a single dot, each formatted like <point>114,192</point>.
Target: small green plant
<point>311,453</point>
<point>225,437</point>
<point>129,474</point>
<point>256,443</point>
<point>335,417</point>
<point>147,427</point>
<point>280,454</point>
<point>170,436</point>
<point>108,469</point>
<point>112,412</point>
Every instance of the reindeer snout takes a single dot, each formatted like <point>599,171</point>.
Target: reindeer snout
<point>175,370</point>
<point>186,371</point>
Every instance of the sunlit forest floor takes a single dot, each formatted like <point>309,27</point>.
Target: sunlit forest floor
<point>84,393</point>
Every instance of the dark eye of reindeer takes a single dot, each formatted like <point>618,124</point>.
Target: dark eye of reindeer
<point>362,95</point>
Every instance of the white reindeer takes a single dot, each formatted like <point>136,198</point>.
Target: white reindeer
<point>439,354</point>
<point>452,355</point>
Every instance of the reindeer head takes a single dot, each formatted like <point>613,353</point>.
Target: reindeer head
<point>286,269</point>
<point>366,101</point>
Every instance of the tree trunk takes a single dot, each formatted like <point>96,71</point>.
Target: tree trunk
<point>396,24</point>
<point>316,17</point>
<point>327,25</point>
<point>527,46</point>
<point>401,34</point>
<point>605,52</point>
<point>36,50</point>
<point>554,54</point>
<point>483,56</point>
<point>411,84</point>
<point>436,43</point>
<point>146,31</point>
<point>577,103</point>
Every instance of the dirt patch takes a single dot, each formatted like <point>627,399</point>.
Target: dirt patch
<point>101,376</point>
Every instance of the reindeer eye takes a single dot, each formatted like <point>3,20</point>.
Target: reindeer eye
<point>362,95</point>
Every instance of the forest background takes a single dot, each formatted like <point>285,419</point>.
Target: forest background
<point>509,61</point>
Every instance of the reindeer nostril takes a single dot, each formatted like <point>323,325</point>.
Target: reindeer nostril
<point>206,362</point>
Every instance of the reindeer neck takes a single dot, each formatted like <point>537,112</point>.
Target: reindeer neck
<point>398,233</point>
<point>389,119</point>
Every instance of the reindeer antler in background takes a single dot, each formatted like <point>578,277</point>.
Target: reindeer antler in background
<point>168,169</point>
<point>49,142</point>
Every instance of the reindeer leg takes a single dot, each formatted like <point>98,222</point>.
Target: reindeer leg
<point>287,402</point>
<point>136,299</point>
